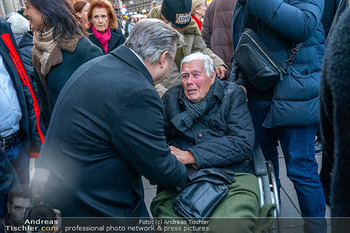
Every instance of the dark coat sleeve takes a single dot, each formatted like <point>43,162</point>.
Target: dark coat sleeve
<point>207,27</point>
<point>140,140</point>
<point>234,147</point>
<point>305,15</point>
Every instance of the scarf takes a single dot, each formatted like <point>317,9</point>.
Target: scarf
<point>199,23</point>
<point>193,111</point>
<point>44,44</point>
<point>103,37</point>
<point>47,52</point>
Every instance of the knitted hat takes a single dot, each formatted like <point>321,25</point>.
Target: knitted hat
<point>178,12</point>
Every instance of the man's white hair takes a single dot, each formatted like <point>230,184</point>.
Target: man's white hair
<point>208,62</point>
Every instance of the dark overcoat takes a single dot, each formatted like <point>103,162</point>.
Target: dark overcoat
<point>117,39</point>
<point>105,132</point>
<point>335,114</point>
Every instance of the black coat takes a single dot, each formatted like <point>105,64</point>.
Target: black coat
<point>335,114</point>
<point>117,38</point>
<point>222,136</point>
<point>105,132</point>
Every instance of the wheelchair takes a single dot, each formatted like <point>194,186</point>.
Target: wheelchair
<point>264,171</point>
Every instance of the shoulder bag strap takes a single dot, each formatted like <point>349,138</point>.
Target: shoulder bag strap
<point>295,51</point>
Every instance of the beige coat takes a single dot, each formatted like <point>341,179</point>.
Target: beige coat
<point>193,42</point>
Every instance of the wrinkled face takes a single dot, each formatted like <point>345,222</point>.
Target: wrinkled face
<point>99,18</point>
<point>34,17</point>
<point>83,14</point>
<point>195,82</point>
<point>17,209</point>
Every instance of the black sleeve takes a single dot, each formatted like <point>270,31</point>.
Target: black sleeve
<point>139,138</point>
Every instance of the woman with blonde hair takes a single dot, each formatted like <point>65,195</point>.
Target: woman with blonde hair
<point>198,12</point>
<point>103,26</point>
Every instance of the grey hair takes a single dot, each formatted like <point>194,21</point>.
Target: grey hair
<point>151,37</point>
<point>19,24</point>
<point>208,62</point>
<point>195,4</point>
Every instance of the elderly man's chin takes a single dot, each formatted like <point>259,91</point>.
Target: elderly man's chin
<point>193,96</point>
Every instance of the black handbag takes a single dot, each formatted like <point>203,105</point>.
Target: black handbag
<point>204,193</point>
<point>199,199</point>
<point>256,61</point>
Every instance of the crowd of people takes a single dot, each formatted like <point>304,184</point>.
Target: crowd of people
<point>100,107</point>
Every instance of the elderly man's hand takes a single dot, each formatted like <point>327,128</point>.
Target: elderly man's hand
<point>220,71</point>
<point>184,157</point>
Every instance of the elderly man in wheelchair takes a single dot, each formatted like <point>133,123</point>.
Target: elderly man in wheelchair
<point>209,129</point>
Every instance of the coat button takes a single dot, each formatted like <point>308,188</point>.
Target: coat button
<point>196,120</point>
<point>199,135</point>
<point>178,189</point>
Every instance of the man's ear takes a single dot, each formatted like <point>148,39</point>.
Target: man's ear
<point>163,58</point>
<point>213,78</point>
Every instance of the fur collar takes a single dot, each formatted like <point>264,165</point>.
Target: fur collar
<point>56,56</point>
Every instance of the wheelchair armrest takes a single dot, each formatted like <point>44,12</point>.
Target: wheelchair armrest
<point>259,161</point>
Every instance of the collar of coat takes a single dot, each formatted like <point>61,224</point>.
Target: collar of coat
<point>56,56</point>
<point>127,55</point>
<point>115,37</point>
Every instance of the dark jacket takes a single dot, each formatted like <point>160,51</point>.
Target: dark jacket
<point>335,112</point>
<point>117,38</point>
<point>217,30</point>
<point>222,136</point>
<point>32,130</point>
<point>295,97</point>
<point>58,75</point>
<point>112,135</point>
<point>342,5</point>
<point>25,46</point>
<point>330,9</point>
